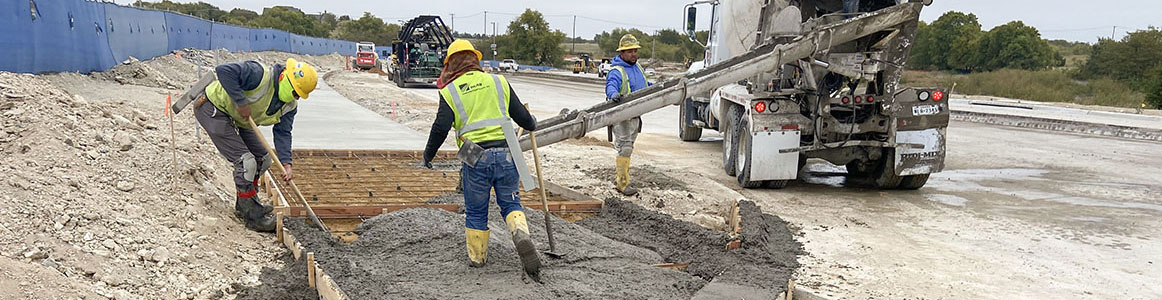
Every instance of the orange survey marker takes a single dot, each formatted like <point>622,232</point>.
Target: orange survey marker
<point>167,103</point>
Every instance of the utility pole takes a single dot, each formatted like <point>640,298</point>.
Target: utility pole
<point>1114,32</point>
<point>494,40</point>
<point>574,34</point>
<point>485,22</point>
<point>453,23</point>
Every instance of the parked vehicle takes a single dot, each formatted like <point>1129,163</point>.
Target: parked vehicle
<point>508,65</point>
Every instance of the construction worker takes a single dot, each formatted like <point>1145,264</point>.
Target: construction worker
<point>481,107</point>
<point>269,95</point>
<point>628,77</point>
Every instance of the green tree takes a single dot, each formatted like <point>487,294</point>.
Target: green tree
<point>528,39</point>
<point>1016,46</point>
<point>239,16</point>
<point>367,28</point>
<point>290,20</point>
<point>1154,95</point>
<point>1130,60</point>
<point>948,43</point>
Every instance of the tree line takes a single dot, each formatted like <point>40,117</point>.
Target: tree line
<point>955,42</point>
<point>367,28</point>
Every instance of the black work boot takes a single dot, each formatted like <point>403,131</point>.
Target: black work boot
<point>256,215</point>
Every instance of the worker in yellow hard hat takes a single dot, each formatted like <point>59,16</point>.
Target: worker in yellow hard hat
<point>269,95</point>
<point>629,77</point>
<point>482,107</point>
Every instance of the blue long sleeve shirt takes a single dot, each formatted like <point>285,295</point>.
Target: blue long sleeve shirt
<point>242,76</point>
<point>637,80</point>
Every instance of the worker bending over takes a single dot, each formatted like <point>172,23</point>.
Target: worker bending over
<point>629,78</point>
<point>269,94</point>
<point>481,107</point>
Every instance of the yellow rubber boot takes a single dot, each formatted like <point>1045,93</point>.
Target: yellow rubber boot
<point>477,241</point>
<point>623,177</point>
<point>524,243</point>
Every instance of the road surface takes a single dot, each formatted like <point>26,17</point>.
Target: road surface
<point>1017,214</point>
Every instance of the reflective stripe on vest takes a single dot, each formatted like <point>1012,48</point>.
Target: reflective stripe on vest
<point>625,79</point>
<point>464,120</point>
<point>258,98</point>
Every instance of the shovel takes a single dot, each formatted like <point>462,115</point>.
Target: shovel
<point>544,201</point>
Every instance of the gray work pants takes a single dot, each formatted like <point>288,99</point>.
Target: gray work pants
<point>624,134</point>
<point>239,146</point>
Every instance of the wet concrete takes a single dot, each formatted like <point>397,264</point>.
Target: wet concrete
<point>763,264</point>
<point>286,283</point>
<point>419,254</point>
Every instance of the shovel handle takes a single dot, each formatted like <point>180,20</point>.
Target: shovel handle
<point>294,187</point>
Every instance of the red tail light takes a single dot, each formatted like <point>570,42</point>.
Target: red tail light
<point>937,96</point>
<point>870,99</point>
<point>846,100</point>
<point>858,99</point>
<point>760,106</point>
<point>791,127</point>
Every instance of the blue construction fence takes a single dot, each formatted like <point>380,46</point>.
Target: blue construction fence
<point>84,36</point>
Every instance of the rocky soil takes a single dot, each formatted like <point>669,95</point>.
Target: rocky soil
<point>94,205</point>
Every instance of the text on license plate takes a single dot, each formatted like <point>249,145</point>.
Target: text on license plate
<point>924,110</point>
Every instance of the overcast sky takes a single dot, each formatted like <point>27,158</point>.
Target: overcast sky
<point>1075,20</point>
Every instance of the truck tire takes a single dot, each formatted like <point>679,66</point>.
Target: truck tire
<point>885,170</point>
<point>743,140</point>
<point>730,140</point>
<point>913,182</point>
<point>399,81</point>
<point>688,132</point>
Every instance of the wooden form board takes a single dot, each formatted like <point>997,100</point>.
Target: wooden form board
<point>316,277</point>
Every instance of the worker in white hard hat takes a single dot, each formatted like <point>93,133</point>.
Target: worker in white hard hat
<point>481,107</point>
<point>628,77</point>
<point>269,95</point>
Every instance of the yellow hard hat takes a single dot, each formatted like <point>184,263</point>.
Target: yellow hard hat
<point>628,41</point>
<point>302,77</point>
<point>461,45</point>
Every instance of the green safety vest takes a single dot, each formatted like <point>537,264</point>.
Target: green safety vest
<point>259,99</point>
<point>480,103</point>
<point>625,78</point>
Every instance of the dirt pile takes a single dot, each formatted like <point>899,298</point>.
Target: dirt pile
<point>87,193</point>
<point>765,261</point>
<point>419,253</point>
<point>177,70</point>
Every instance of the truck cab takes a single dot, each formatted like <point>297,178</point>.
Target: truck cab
<point>842,104</point>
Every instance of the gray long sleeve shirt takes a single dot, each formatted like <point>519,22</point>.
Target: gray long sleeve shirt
<point>241,76</point>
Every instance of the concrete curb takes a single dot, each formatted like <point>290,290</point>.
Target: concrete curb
<point>1060,125</point>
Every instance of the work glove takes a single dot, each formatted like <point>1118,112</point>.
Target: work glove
<point>616,98</point>
<point>428,164</point>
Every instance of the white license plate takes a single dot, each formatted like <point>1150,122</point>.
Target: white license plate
<point>925,110</point>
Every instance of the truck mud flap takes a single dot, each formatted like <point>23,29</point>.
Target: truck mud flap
<point>914,160</point>
<point>767,163</point>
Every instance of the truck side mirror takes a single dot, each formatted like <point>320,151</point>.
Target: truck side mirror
<point>691,20</point>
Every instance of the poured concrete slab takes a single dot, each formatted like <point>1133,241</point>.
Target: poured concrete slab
<point>329,121</point>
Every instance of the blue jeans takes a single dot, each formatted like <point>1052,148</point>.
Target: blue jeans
<point>495,170</point>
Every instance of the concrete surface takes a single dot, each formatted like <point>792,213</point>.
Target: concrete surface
<point>1017,214</point>
<point>327,120</point>
<point>1039,110</point>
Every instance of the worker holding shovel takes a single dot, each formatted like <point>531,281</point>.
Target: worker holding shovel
<point>269,95</point>
<point>481,107</point>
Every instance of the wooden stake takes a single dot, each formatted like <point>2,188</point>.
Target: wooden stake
<point>311,269</point>
<point>173,146</point>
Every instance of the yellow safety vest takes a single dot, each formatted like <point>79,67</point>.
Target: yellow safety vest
<point>259,99</point>
<point>480,103</point>
<point>625,78</point>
